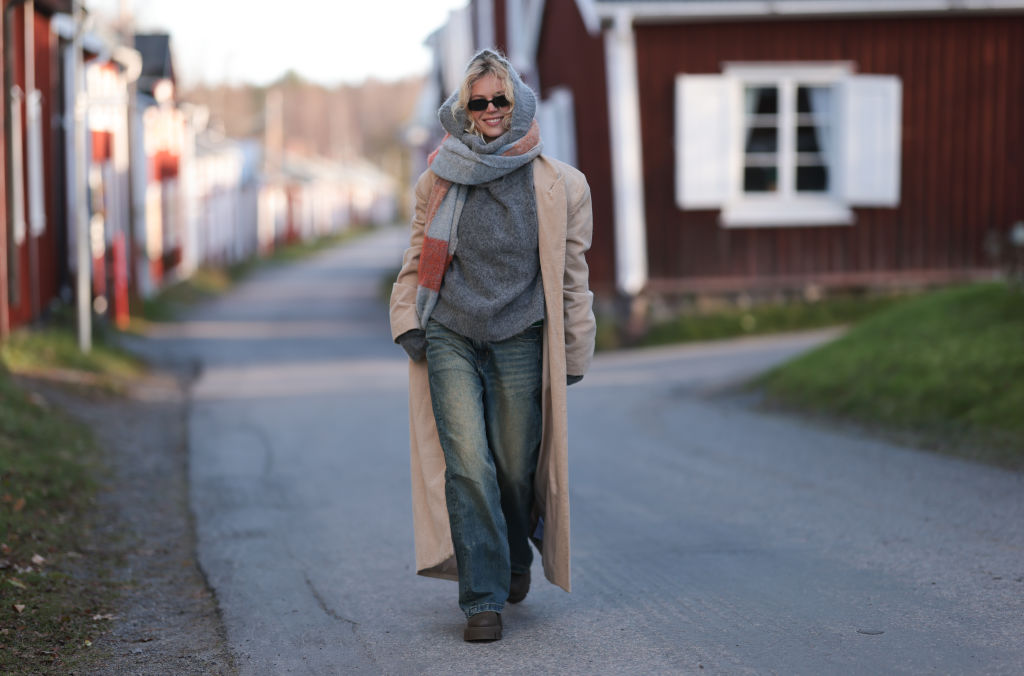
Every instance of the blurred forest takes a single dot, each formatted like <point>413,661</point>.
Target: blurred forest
<point>344,123</point>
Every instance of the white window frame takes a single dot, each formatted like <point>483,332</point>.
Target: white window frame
<point>786,206</point>
<point>864,151</point>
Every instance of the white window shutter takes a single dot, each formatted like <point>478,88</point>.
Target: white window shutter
<point>872,133</point>
<point>704,127</point>
<point>557,121</point>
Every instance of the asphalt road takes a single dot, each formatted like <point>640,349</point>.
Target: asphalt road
<point>708,537</point>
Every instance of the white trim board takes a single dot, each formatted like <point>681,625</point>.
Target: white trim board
<point>712,9</point>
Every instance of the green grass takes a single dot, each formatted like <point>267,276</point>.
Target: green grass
<point>53,582</point>
<point>769,318</point>
<point>50,592</point>
<point>946,367</point>
<point>56,347</point>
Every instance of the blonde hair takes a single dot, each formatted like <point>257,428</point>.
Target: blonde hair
<point>485,63</point>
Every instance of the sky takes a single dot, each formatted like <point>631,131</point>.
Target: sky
<point>255,41</point>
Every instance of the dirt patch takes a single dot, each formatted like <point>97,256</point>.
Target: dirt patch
<point>166,619</point>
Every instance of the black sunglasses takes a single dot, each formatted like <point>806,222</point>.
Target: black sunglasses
<point>499,101</point>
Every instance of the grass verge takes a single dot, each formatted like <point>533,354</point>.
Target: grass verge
<point>55,589</point>
<point>768,318</point>
<point>944,369</point>
<point>54,350</point>
<point>53,601</point>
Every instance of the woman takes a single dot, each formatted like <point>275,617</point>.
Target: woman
<point>492,306</point>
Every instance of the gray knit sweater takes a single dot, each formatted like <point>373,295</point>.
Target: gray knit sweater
<point>493,290</point>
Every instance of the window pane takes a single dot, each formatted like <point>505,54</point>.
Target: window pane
<point>759,179</point>
<point>803,100</point>
<point>813,137</point>
<point>812,179</point>
<point>762,140</point>
<point>762,100</point>
<point>761,145</point>
<point>807,140</point>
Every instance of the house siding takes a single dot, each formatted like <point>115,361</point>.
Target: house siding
<point>20,261</point>
<point>961,149</point>
<point>500,26</point>
<point>569,56</point>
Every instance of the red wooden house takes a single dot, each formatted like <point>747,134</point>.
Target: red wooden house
<point>741,145</point>
<point>40,155</point>
<point>30,248</point>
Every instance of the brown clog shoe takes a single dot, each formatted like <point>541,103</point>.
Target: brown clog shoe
<point>485,626</point>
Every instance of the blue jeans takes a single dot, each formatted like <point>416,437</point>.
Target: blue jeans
<point>486,399</point>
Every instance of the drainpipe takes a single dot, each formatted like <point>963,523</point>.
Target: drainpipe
<point>5,328</point>
<point>627,160</point>
<point>36,210</point>
<point>80,218</point>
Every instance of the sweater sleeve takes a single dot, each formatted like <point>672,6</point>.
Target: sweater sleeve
<point>580,324</point>
<point>403,292</point>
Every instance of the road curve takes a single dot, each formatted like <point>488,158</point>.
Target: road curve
<point>708,537</point>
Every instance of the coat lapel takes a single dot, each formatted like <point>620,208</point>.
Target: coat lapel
<point>551,209</point>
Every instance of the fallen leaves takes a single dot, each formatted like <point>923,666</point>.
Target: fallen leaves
<point>17,504</point>
<point>19,607</point>
<point>15,582</point>
<point>104,616</point>
<point>37,561</point>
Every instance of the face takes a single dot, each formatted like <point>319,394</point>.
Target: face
<point>490,121</point>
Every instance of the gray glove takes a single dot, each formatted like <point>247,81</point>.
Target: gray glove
<point>572,380</point>
<point>414,342</point>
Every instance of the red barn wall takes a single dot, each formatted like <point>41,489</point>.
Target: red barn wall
<point>500,26</point>
<point>46,265</point>
<point>569,56</point>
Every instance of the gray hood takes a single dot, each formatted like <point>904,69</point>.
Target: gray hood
<point>522,115</point>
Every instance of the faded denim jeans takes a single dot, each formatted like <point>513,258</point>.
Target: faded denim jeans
<point>486,399</point>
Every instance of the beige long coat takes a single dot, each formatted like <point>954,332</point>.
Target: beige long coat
<point>565,230</point>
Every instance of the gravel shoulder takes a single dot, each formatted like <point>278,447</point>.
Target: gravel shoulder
<point>166,619</point>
